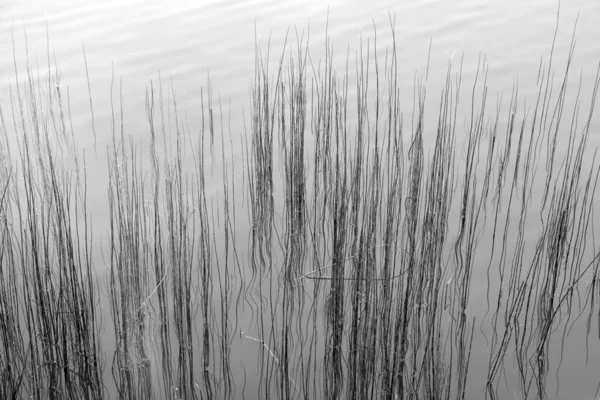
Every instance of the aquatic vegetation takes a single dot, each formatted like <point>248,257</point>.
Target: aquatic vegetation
<point>333,258</point>
<point>50,326</point>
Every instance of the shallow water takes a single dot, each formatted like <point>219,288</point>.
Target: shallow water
<point>187,43</point>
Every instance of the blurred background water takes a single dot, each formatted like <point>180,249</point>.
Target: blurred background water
<point>186,42</point>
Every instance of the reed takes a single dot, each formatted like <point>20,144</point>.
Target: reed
<point>333,258</point>
<point>50,327</point>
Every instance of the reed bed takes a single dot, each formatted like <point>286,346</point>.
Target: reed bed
<point>331,256</point>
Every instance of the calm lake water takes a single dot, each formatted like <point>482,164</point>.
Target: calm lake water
<point>188,42</point>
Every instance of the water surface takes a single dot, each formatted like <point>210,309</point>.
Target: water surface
<point>186,43</point>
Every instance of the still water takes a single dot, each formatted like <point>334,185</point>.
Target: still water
<point>186,43</point>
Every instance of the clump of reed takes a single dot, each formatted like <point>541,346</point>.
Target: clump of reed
<point>345,266</point>
<point>49,292</point>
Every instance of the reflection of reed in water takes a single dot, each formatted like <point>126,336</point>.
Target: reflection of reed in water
<point>365,233</point>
